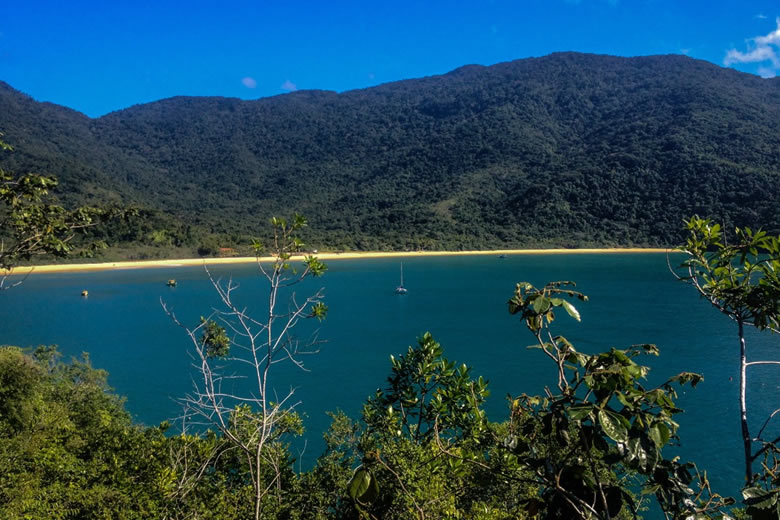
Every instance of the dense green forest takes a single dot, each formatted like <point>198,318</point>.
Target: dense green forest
<point>70,451</point>
<point>564,150</point>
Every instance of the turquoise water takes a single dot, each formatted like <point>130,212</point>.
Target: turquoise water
<point>460,300</point>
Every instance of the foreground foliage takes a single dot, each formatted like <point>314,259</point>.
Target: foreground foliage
<point>423,449</point>
<point>602,435</point>
<point>592,447</point>
<point>741,279</point>
<point>67,445</point>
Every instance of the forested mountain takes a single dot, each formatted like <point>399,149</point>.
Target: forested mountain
<point>569,149</point>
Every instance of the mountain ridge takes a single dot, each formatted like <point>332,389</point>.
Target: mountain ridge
<point>564,149</point>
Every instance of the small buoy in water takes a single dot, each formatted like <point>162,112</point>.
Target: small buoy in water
<point>171,283</point>
<point>85,293</point>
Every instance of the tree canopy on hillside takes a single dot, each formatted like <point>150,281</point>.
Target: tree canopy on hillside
<point>565,150</point>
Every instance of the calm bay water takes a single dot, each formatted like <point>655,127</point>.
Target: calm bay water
<point>460,300</point>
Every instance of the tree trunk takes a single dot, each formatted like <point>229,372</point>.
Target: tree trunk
<point>747,443</point>
<point>258,483</point>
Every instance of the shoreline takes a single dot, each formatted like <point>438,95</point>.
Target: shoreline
<point>186,262</point>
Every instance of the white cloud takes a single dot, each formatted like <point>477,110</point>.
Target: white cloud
<point>249,82</point>
<point>772,38</point>
<point>755,55</point>
<point>760,49</point>
<point>760,16</point>
<point>289,86</point>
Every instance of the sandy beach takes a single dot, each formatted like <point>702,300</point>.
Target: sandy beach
<point>103,266</point>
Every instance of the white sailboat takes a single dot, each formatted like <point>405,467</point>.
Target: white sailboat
<point>401,289</point>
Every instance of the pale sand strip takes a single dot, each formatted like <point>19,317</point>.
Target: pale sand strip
<point>73,268</point>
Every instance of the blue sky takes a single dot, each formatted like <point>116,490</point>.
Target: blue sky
<point>100,56</point>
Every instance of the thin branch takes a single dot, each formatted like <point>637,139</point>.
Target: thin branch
<point>758,435</point>
<point>766,447</point>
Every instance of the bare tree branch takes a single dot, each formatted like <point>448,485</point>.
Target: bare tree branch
<point>231,344</point>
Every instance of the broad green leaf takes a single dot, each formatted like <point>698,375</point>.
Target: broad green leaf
<point>637,452</point>
<point>760,502</point>
<point>573,312</point>
<point>372,493</point>
<point>752,492</point>
<point>360,483</point>
<point>541,305</point>
<point>660,434</point>
<point>635,371</point>
<point>578,413</point>
<point>623,400</point>
<point>612,426</point>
